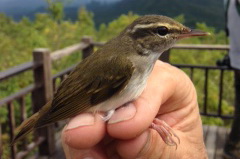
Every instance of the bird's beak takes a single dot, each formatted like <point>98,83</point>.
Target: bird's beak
<point>193,33</point>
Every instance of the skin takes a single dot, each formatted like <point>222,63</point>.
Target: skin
<point>169,96</point>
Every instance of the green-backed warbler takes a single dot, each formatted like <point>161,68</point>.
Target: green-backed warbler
<point>114,75</point>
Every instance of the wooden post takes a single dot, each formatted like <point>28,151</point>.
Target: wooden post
<point>43,77</point>
<point>11,121</point>
<point>90,49</point>
<point>165,56</point>
<point>1,150</point>
<point>23,116</point>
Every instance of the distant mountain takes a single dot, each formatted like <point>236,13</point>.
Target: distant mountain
<point>10,6</point>
<point>208,11</point>
<point>19,8</point>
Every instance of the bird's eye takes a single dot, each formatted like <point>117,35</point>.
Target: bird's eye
<point>162,30</point>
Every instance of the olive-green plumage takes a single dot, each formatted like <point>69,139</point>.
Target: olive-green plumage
<point>113,75</point>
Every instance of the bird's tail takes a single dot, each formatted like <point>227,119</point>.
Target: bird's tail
<point>26,127</point>
<point>29,124</point>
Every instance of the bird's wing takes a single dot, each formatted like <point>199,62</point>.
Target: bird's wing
<point>82,90</point>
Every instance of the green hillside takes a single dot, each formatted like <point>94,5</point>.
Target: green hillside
<point>209,11</point>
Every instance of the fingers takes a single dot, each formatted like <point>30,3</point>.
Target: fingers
<point>84,131</point>
<point>130,124</point>
<point>131,148</point>
<point>148,145</point>
<point>141,120</point>
<point>166,85</point>
<point>153,148</point>
<point>161,86</point>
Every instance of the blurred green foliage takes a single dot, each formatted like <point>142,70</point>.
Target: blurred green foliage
<point>19,39</point>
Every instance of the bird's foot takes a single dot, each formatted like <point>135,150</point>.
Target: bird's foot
<point>108,115</point>
<point>166,132</point>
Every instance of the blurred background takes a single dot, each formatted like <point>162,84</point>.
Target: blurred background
<point>56,24</point>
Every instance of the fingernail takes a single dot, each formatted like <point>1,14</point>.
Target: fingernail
<point>85,119</point>
<point>124,113</point>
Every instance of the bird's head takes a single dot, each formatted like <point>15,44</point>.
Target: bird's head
<point>155,33</point>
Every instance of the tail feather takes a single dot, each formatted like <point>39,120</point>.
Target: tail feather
<point>29,124</point>
<point>25,128</point>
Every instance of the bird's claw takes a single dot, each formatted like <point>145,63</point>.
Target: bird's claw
<point>108,115</point>
<point>166,132</point>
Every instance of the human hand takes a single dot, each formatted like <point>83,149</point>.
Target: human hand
<point>169,96</point>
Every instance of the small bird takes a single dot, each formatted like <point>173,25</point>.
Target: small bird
<point>114,75</point>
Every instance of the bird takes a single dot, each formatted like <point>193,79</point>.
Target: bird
<point>113,75</point>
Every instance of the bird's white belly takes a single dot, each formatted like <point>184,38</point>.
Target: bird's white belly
<point>133,90</point>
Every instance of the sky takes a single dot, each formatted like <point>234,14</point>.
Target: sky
<point>10,5</point>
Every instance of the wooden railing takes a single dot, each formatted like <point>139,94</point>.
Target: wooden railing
<point>45,84</point>
<point>221,69</point>
<point>41,91</point>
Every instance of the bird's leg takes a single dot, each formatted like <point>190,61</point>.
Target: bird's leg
<point>166,132</point>
<point>108,115</point>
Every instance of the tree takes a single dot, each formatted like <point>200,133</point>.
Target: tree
<point>55,9</point>
<point>85,23</point>
<point>106,32</point>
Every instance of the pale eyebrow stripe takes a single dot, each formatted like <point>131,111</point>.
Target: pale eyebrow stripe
<point>143,26</point>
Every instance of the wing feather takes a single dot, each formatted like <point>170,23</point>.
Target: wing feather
<point>82,90</point>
